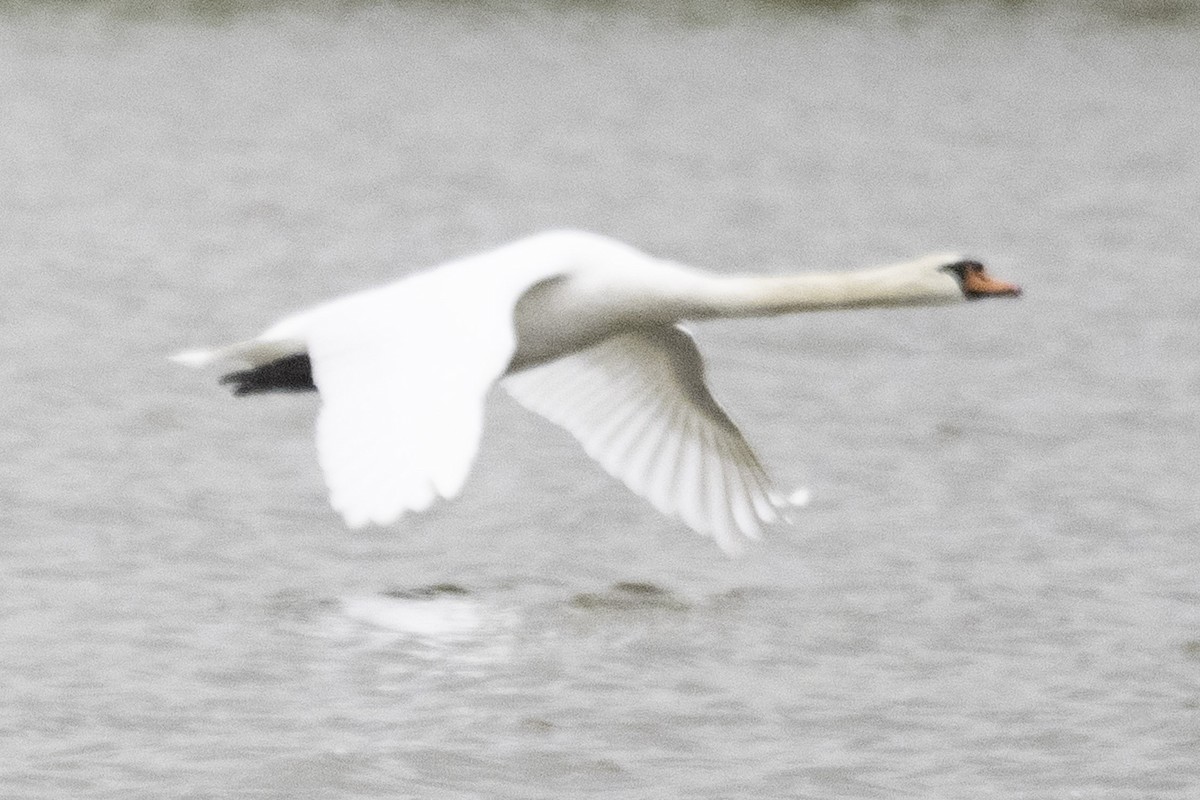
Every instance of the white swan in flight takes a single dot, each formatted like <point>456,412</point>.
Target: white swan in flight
<point>579,328</point>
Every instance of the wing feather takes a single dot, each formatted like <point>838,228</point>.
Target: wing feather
<point>403,373</point>
<point>662,473</point>
<point>740,498</point>
<point>638,404</point>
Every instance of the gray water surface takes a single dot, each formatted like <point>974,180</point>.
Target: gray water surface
<point>993,595</point>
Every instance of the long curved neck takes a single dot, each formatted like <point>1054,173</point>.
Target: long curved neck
<point>768,295</point>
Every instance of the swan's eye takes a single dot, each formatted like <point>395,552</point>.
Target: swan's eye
<point>964,268</point>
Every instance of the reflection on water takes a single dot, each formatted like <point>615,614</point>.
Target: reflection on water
<point>630,595</point>
<point>430,618</point>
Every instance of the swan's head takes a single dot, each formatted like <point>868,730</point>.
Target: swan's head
<point>972,280</point>
<point>937,278</point>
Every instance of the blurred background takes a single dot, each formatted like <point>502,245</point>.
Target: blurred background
<point>992,595</point>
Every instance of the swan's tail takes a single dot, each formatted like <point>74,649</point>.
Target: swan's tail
<point>254,352</point>
<point>196,358</point>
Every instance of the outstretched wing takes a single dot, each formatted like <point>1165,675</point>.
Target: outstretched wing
<point>638,404</point>
<point>403,374</point>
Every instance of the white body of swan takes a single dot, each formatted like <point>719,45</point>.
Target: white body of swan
<point>579,328</point>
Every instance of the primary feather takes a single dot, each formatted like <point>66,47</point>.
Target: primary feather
<point>638,403</point>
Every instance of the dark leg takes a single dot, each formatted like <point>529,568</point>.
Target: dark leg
<point>287,374</point>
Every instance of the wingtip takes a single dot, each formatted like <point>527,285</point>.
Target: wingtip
<point>800,497</point>
<point>785,505</point>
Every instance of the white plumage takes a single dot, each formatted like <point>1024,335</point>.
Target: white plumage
<point>578,328</point>
<point>638,404</point>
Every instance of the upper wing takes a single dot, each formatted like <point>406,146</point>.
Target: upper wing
<point>403,373</point>
<point>638,404</point>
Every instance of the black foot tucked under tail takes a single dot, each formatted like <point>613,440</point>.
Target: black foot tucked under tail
<point>287,374</point>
